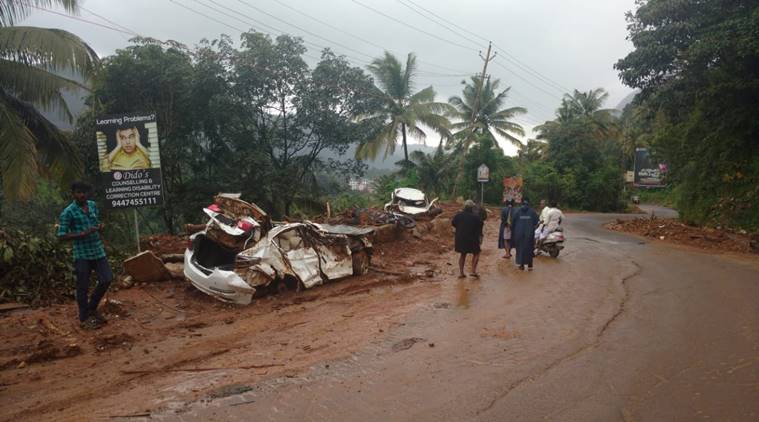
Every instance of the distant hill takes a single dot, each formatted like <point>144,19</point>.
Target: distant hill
<point>382,163</point>
<point>627,100</point>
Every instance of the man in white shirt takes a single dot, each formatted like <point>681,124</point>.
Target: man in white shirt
<point>550,219</point>
<point>553,219</point>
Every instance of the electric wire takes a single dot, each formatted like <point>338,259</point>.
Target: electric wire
<point>320,47</point>
<point>529,70</point>
<point>109,21</point>
<point>527,81</point>
<point>537,105</point>
<point>413,9</point>
<point>330,41</point>
<point>77,18</point>
<point>430,34</point>
<point>280,31</point>
<point>503,51</point>
<point>313,34</point>
<point>354,36</point>
<point>206,16</point>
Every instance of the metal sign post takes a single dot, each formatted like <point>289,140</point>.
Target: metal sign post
<point>137,229</point>
<point>483,176</point>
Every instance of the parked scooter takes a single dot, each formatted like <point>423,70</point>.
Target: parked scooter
<point>552,244</point>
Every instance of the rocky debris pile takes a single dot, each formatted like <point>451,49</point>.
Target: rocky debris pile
<point>676,232</point>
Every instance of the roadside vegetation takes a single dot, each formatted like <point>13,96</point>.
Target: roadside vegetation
<point>697,66</point>
<point>255,118</point>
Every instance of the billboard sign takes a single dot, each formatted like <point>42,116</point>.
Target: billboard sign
<point>129,159</point>
<point>647,173</point>
<point>512,189</point>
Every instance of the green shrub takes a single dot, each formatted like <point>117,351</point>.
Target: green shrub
<point>34,270</point>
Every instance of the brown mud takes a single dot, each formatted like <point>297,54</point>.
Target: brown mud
<point>165,342</point>
<point>673,231</point>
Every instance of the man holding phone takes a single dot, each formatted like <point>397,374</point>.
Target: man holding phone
<point>80,222</point>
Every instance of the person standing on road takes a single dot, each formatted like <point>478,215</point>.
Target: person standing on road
<point>524,221</point>
<point>504,233</point>
<point>80,223</point>
<point>468,236</point>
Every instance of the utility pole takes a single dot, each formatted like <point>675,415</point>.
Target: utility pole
<point>487,59</point>
<point>475,109</point>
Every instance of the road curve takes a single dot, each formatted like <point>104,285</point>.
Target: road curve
<point>617,328</point>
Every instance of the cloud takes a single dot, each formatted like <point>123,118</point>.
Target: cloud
<point>571,45</point>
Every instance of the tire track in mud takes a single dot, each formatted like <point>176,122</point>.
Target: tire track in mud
<point>352,368</point>
<point>558,362</point>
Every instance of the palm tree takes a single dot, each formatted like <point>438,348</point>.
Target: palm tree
<point>484,114</point>
<point>433,170</point>
<point>30,61</point>
<point>402,112</point>
<point>586,106</point>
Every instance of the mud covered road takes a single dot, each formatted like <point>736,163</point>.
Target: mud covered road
<point>616,329</point>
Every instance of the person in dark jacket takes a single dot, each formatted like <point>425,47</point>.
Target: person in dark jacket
<point>504,233</point>
<point>468,235</point>
<point>524,221</point>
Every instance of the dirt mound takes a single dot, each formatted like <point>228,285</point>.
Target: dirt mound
<point>677,232</point>
<point>163,244</point>
<point>43,351</point>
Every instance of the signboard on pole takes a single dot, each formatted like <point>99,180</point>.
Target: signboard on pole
<point>129,159</point>
<point>647,173</point>
<point>483,173</point>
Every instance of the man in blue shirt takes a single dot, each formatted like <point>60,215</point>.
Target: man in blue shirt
<point>80,223</point>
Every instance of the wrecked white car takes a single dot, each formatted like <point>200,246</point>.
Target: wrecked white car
<point>412,202</point>
<point>247,261</point>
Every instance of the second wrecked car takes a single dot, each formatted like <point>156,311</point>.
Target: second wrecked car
<point>240,253</point>
<point>412,202</point>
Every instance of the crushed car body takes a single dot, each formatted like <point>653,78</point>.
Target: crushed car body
<point>412,202</point>
<point>240,252</point>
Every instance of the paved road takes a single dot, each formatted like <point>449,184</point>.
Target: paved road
<point>658,211</point>
<point>615,329</point>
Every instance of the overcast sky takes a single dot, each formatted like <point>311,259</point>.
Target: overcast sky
<point>544,46</point>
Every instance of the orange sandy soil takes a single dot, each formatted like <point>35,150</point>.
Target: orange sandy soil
<point>167,344</point>
<point>673,231</point>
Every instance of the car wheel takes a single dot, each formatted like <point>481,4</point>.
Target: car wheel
<point>406,222</point>
<point>288,284</point>
<point>361,262</point>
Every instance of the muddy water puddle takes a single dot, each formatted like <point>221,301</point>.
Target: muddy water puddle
<point>465,290</point>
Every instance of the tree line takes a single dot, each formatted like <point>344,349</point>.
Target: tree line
<point>257,119</point>
<point>696,64</point>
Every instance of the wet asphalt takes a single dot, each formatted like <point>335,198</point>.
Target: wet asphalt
<point>616,329</point>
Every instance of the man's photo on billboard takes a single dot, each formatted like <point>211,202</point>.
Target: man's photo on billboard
<point>128,147</point>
